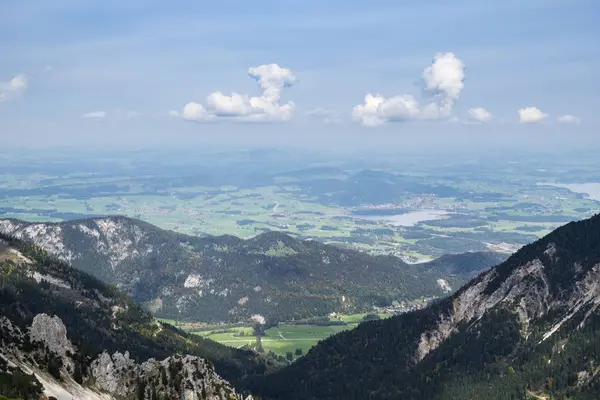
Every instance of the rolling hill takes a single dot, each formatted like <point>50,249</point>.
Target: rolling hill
<point>527,329</point>
<point>229,279</point>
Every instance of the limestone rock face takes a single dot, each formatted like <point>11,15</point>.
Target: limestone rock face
<point>185,378</point>
<point>52,332</point>
<point>527,291</point>
<point>115,376</point>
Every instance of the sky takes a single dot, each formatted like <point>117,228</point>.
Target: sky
<point>319,74</point>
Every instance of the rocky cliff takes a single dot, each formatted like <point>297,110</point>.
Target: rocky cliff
<point>66,334</point>
<point>54,367</point>
<point>528,328</point>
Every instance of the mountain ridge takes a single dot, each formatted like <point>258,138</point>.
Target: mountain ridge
<point>529,326</point>
<point>225,278</point>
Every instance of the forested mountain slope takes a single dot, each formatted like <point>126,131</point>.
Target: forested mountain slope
<point>466,264</point>
<point>229,279</point>
<point>528,328</point>
<point>85,339</point>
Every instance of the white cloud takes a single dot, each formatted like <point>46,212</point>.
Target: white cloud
<point>377,109</point>
<point>326,116</point>
<point>444,79</point>
<point>480,114</point>
<point>271,79</point>
<point>195,112</point>
<point>174,113</point>
<point>13,88</point>
<point>569,119</point>
<point>531,115</point>
<point>445,76</point>
<point>229,106</point>
<point>114,114</point>
<point>94,115</point>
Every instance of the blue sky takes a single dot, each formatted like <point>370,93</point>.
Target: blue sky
<point>120,73</point>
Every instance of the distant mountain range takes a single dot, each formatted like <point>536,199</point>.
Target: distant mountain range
<point>68,335</point>
<point>229,279</point>
<point>527,329</point>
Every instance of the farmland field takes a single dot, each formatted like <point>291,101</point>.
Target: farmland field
<point>416,208</point>
<point>283,339</point>
<point>280,339</point>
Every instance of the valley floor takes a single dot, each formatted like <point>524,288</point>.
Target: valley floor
<point>281,340</point>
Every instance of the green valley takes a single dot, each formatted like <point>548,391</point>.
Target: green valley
<point>286,337</point>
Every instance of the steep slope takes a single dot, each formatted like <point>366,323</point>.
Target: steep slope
<point>469,264</point>
<point>228,279</point>
<point>70,330</point>
<point>528,327</point>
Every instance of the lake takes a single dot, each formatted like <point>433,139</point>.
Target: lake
<point>591,189</point>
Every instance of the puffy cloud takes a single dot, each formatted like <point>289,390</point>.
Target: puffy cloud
<point>195,112</point>
<point>445,76</point>
<point>229,106</point>
<point>94,115</point>
<point>480,114</point>
<point>377,109</point>
<point>13,88</point>
<point>369,113</point>
<point>444,79</point>
<point>271,79</point>
<point>531,115</point>
<point>327,116</point>
<point>569,119</point>
<point>174,113</point>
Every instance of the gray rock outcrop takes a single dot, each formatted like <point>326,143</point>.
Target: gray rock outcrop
<point>52,332</point>
<point>185,378</point>
<point>115,376</point>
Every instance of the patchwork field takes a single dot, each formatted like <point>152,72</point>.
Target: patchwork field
<point>281,340</point>
<point>414,208</point>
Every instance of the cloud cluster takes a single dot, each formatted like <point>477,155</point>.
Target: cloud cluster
<point>271,78</point>
<point>531,115</point>
<point>13,88</point>
<point>527,115</point>
<point>443,79</point>
<point>442,84</point>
